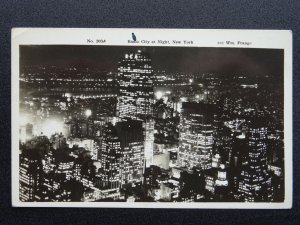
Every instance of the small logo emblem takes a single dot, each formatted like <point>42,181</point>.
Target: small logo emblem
<point>133,37</point>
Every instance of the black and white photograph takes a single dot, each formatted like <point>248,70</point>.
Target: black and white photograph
<point>141,123</point>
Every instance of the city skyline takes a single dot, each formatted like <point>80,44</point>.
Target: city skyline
<point>165,124</point>
<point>226,61</point>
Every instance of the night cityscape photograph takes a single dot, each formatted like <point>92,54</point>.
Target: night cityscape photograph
<point>150,124</point>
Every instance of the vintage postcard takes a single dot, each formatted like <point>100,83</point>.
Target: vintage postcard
<point>155,118</point>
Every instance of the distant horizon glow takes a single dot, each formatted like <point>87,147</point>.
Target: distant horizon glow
<point>237,61</point>
<point>51,127</point>
<point>23,120</point>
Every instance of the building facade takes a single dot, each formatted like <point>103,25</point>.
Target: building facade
<point>110,159</point>
<point>31,176</point>
<point>196,136</point>
<point>122,157</point>
<point>136,97</point>
<point>255,181</point>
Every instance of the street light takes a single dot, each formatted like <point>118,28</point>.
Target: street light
<point>88,112</point>
<point>158,94</point>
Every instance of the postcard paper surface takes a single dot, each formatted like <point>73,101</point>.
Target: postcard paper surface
<point>158,118</point>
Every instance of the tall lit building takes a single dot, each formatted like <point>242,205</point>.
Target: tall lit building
<point>255,182</point>
<point>136,86</point>
<point>236,158</point>
<point>31,172</point>
<point>122,155</point>
<point>196,136</point>
<point>130,134</point>
<point>136,96</point>
<point>110,159</point>
<point>222,190</point>
<point>148,127</point>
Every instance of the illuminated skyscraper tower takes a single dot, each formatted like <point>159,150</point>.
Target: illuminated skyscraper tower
<point>196,136</point>
<point>31,170</point>
<point>110,159</point>
<point>136,98</point>
<point>122,156</point>
<point>131,138</point>
<point>255,182</point>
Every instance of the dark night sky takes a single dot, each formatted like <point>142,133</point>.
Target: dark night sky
<point>185,59</point>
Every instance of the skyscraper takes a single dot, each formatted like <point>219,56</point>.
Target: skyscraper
<point>130,134</point>
<point>31,172</point>
<point>110,159</point>
<point>255,181</point>
<point>122,156</point>
<point>196,135</point>
<point>136,98</point>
